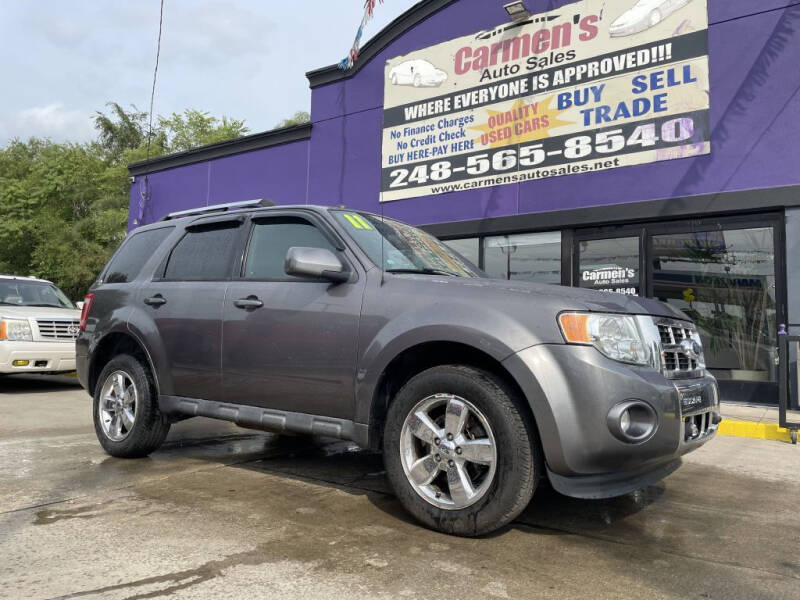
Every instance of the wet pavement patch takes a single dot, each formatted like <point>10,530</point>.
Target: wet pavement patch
<point>49,516</point>
<point>222,512</point>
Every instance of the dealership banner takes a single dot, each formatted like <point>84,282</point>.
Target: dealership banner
<point>591,86</point>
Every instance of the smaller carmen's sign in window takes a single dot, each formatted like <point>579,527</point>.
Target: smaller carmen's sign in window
<point>610,265</point>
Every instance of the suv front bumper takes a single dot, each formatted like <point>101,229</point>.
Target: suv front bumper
<point>43,357</point>
<point>572,389</point>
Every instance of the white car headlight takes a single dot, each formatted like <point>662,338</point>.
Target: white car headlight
<point>15,330</point>
<point>616,336</point>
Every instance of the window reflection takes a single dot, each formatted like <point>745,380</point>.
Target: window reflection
<point>469,248</point>
<point>401,247</point>
<point>529,257</point>
<point>725,281</point>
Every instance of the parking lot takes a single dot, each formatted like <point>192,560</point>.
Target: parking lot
<point>226,512</point>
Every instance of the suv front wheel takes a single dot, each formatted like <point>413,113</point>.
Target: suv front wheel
<point>461,456</point>
<point>127,421</point>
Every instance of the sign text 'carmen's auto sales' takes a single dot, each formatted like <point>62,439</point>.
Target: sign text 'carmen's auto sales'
<point>583,88</point>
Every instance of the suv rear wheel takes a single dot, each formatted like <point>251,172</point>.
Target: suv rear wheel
<point>461,456</point>
<point>126,416</point>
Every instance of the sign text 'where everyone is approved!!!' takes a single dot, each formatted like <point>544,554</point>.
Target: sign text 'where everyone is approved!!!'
<point>591,86</point>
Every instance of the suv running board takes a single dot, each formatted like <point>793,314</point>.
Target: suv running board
<point>266,419</point>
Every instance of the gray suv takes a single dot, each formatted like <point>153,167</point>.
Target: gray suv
<point>341,323</point>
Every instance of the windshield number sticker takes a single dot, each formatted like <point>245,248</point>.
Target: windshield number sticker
<point>357,221</point>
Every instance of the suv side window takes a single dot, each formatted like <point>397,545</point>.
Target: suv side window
<point>128,262</point>
<point>271,240</point>
<point>205,253</point>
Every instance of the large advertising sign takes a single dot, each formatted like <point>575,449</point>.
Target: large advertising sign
<point>593,85</point>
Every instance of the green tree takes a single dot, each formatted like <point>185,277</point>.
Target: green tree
<point>298,118</point>
<point>195,128</point>
<point>64,206</point>
<point>121,131</point>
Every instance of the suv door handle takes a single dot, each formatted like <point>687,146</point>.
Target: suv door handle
<point>156,300</point>
<point>249,302</point>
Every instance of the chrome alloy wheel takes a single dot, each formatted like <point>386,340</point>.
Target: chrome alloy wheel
<point>448,451</point>
<point>117,406</point>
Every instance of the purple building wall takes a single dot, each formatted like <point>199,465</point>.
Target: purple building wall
<point>755,101</point>
<point>279,173</point>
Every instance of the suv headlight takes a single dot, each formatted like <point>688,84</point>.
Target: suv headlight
<point>15,330</point>
<point>616,336</point>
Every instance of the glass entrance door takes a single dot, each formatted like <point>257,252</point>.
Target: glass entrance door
<point>723,273</point>
<point>725,280</point>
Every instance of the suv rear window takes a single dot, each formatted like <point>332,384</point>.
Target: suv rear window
<point>204,254</point>
<point>130,259</point>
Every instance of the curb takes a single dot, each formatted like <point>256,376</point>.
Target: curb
<point>751,429</point>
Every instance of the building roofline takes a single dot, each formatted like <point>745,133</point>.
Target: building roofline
<point>409,19</point>
<point>248,143</point>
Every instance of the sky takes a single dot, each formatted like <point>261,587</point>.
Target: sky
<point>246,59</point>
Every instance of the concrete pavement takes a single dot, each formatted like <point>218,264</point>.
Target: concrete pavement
<point>225,512</point>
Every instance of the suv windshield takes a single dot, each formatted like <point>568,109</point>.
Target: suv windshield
<point>19,292</point>
<point>404,249</point>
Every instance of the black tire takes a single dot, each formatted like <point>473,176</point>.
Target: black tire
<point>519,462</point>
<point>150,427</point>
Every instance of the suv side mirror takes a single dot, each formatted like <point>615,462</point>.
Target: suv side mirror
<point>318,263</point>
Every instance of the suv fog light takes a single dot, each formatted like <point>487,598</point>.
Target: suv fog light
<point>20,363</point>
<point>632,421</point>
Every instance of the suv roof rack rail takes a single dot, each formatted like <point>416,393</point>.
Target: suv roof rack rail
<point>203,210</point>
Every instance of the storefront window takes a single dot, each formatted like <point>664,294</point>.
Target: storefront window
<point>725,281</point>
<point>529,257</point>
<point>610,265</point>
<point>469,248</point>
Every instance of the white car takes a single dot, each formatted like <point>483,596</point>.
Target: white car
<point>644,15</point>
<point>419,73</point>
<point>38,327</point>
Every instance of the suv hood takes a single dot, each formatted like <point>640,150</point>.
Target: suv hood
<point>560,298</point>
<point>38,312</point>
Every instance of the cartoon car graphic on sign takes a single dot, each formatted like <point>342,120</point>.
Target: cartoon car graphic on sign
<point>419,73</point>
<point>644,15</point>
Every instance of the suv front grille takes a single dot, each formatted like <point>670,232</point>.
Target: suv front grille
<point>58,329</point>
<point>678,359</point>
<point>673,334</point>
